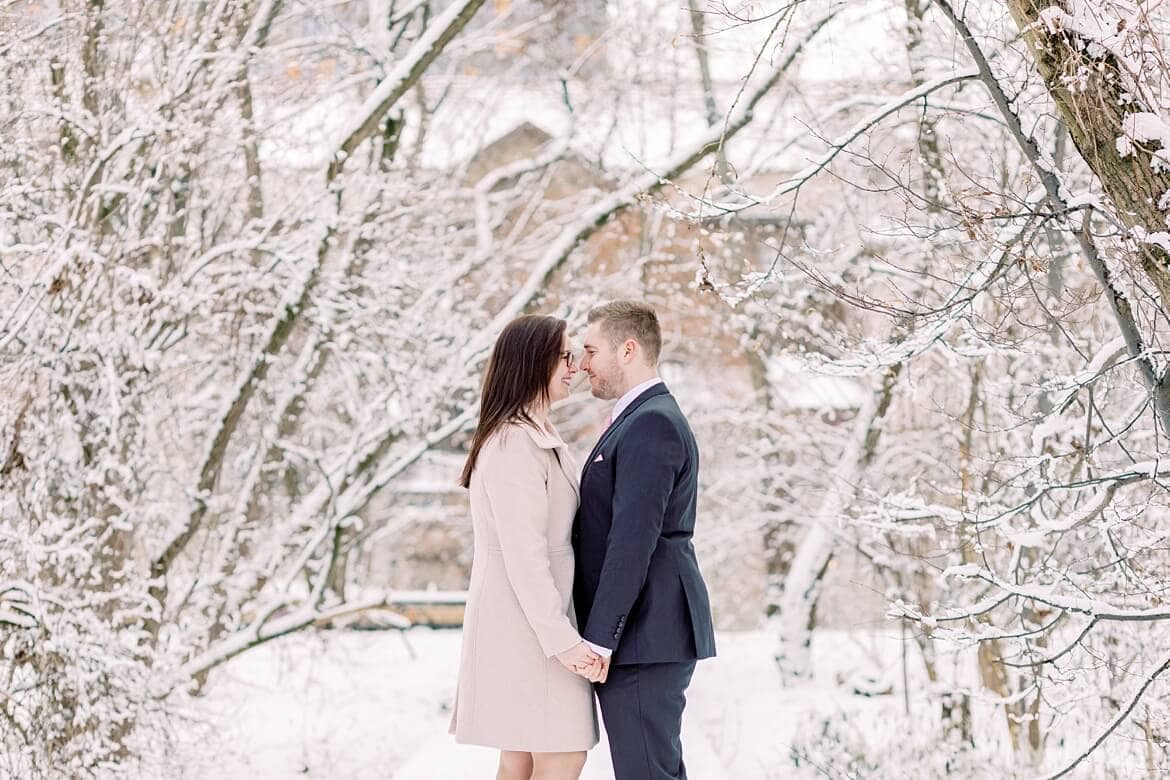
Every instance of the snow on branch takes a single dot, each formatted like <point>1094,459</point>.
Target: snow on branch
<point>355,498</point>
<point>18,605</point>
<point>1138,472</point>
<point>1118,719</point>
<point>852,134</point>
<point>265,629</point>
<point>254,37</point>
<point>951,311</point>
<point>405,74</point>
<point>483,188</point>
<point>1043,594</point>
<point>1097,366</point>
<point>289,312</point>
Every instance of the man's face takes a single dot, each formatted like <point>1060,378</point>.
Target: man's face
<point>606,376</point>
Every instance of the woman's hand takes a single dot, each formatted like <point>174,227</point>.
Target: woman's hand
<point>579,659</point>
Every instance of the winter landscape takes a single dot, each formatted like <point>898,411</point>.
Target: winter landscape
<point>912,263</point>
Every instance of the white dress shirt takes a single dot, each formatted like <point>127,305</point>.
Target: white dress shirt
<point>621,405</point>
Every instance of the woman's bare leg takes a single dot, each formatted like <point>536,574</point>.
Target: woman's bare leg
<point>514,765</point>
<point>558,766</point>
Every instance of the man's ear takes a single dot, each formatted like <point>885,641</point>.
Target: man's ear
<point>629,349</point>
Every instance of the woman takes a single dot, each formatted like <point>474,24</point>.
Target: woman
<point>517,688</point>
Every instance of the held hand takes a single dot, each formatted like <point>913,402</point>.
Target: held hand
<point>603,673</point>
<point>579,659</point>
<point>595,672</point>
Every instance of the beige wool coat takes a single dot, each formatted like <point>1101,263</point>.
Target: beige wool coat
<point>512,693</point>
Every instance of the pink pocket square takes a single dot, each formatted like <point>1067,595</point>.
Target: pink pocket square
<point>599,458</point>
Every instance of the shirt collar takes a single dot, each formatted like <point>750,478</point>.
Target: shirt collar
<point>631,394</point>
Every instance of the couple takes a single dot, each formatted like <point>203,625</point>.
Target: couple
<point>581,581</point>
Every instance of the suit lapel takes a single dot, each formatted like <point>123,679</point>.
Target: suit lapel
<point>658,389</point>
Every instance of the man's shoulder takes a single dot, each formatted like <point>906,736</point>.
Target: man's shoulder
<point>662,404</point>
<point>660,414</point>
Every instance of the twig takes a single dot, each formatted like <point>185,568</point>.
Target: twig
<point>1117,721</point>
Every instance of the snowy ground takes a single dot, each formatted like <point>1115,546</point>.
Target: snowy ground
<point>352,704</point>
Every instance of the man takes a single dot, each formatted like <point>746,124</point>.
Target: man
<point>641,601</point>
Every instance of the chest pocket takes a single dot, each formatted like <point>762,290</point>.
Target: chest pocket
<point>599,474</point>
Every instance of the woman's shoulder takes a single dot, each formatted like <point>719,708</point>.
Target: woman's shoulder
<point>512,437</point>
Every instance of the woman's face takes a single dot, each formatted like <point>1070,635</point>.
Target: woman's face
<point>558,386</point>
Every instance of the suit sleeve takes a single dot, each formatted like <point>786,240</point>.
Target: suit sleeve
<point>648,460</point>
<point>515,474</point>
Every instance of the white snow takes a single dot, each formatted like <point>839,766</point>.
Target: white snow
<point>801,387</point>
<point>358,704</point>
<point>963,571</point>
<point>1160,238</point>
<point>1145,128</point>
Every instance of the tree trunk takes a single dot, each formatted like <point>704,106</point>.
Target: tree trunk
<point>1089,89</point>
<point>802,587</point>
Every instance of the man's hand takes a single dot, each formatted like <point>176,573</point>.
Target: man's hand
<point>579,659</point>
<point>604,671</point>
<point>596,672</point>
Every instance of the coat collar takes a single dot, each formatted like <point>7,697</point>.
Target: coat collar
<point>646,395</point>
<point>560,450</point>
<point>541,437</point>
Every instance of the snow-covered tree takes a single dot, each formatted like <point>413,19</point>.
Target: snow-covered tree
<point>1003,258</point>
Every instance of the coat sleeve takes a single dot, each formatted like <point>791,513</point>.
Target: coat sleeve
<point>515,480</point>
<point>647,462</point>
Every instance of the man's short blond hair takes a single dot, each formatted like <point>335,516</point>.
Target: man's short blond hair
<point>621,320</point>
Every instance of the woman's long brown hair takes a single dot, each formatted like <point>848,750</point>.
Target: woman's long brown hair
<point>518,373</point>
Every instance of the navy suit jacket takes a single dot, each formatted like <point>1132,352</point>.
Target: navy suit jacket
<point>637,586</point>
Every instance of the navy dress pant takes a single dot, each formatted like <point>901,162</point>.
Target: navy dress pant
<point>642,706</point>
